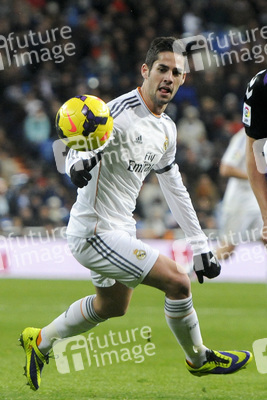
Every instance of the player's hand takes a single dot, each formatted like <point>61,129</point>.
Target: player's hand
<point>80,171</point>
<point>206,264</point>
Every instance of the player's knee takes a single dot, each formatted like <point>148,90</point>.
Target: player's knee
<point>113,309</point>
<point>178,287</point>
<point>120,312</point>
<point>117,312</point>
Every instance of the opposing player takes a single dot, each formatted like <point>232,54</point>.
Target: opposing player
<point>240,218</point>
<point>101,230</point>
<point>255,122</point>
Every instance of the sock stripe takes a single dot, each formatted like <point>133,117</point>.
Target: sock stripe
<point>39,338</point>
<point>178,308</point>
<point>90,310</point>
<point>81,308</point>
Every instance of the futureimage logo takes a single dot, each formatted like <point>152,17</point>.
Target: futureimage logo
<point>210,50</point>
<point>35,47</point>
<point>260,354</point>
<point>80,352</point>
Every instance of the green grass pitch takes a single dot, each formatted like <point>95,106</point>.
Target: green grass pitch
<point>232,316</point>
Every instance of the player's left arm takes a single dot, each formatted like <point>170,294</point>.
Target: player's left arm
<point>180,204</point>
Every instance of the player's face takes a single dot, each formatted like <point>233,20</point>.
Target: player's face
<point>162,81</point>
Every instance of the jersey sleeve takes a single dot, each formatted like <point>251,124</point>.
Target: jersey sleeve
<point>168,159</point>
<point>255,106</point>
<point>74,156</point>
<point>180,204</point>
<point>177,197</point>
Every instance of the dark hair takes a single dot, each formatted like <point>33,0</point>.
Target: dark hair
<point>159,45</point>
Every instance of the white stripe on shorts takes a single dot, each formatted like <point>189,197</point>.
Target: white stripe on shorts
<point>113,257</point>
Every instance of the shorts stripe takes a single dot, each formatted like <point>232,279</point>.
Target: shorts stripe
<point>113,257</point>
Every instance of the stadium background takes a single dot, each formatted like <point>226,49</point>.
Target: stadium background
<point>111,39</point>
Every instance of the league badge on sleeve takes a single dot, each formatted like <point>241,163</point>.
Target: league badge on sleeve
<point>246,114</point>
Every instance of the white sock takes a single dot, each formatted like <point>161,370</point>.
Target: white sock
<point>182,320</point>
<point>79,317</point>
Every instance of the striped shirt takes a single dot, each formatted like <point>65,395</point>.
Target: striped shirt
<point>141,142</point>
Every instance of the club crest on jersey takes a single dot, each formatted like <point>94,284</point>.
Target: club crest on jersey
<point>166,143</point>
<point>140,254</point>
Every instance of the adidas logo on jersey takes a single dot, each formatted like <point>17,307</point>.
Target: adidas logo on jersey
<point>139,139</point>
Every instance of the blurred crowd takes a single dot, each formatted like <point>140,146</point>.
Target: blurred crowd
<point>110,38</point>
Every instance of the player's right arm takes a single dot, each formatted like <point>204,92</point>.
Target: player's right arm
<point>233,160</point>
<point>228,171</point>
<point>258,182</point>
<point>79,165</point>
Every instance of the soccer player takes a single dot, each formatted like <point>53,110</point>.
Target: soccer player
<point>240,219</point>
<point>255,122</point>
<point>101,231</point>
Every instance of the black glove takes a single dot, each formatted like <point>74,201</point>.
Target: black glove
<point>206,264</point>
<point>79,172</point>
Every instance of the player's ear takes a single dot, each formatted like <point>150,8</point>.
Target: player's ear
<point>183,78</point>
<point>144,71</point>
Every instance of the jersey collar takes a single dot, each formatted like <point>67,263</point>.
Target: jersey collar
<point>142,98</point>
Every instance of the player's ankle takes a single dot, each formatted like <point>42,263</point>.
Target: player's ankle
<point>43,345</point>
<point>199,358</point>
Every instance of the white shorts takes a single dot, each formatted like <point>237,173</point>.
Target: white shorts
<point>114,256</point>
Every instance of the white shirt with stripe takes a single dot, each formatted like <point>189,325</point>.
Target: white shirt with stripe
<point>141,141</point>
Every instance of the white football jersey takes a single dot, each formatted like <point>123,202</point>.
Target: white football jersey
<point>238,191</point>
<point>141,141</point>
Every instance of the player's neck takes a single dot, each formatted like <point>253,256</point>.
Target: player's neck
<point>154,108</point>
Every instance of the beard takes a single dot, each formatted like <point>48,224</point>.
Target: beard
<point>161,101</point>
